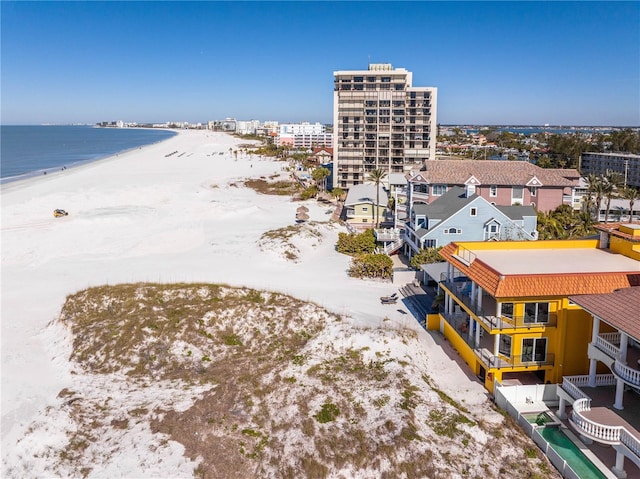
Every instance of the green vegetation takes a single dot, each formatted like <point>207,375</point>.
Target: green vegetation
<point>377,176</point>
<point>280,188</point>
<point>356,244</point>
<point>371,266</point>
<point>426,256</point>
<point>328,413</point>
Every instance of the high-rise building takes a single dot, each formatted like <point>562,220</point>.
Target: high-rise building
<point>382,122</point>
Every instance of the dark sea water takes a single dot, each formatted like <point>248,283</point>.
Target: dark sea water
<point>33,150</point>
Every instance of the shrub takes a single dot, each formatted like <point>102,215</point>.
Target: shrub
<point>371,266</point>
<point>328,413</point>
<point>355,244</point>
<point>426,256</point>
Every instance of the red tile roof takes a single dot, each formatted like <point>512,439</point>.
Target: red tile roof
<point>539,285</point>
<point>491,172</point>
<point>614,229</point>
<point>619,308</point>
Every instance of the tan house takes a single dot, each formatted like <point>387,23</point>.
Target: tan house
<point>360,206</point>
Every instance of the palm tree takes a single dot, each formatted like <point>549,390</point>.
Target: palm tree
<point>632,194</point>
<point>377,176</point>
<point>610,189</point>
<point>596,190</point>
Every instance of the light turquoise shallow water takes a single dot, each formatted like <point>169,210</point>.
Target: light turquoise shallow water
<point>582,466</point>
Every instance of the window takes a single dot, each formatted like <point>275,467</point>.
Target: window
<point>504,347</point>
<point>532,190</point>
<point>365,209</point>
<point>493,228</point>
<point>536,312</point>
<point>452,231</point>
<point>517,193</point>
<point>507,310</point>
<point>439,190</point>
<point>430,243</point>
<point>493,191</point>
<point>421,188</point>
<point>534,350</point>
<point>474,211</point>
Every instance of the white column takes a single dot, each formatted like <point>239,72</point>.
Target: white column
<point>479,293</point>
<point>624,342</point>
<point>562,408</point>
<point>477,342</point>
<point>472,324</point>
<point>619,393</point>
<point>618,470</point>
<point>496,345</point>
<point>596,329</point>
<point>473,291</point>
<point>592,372</point>
<point>449,271</point>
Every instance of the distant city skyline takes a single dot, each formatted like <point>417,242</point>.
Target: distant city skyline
<point>494,63</point>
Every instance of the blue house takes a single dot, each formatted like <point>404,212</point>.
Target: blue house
<point>460,216</point>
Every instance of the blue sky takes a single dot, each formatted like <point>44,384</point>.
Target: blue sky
<point>569,63</point>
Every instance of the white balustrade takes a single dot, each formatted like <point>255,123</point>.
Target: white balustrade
<point>572,385</point>
<point>630,441</point>
<point>627,374</point>
<point>607,347</point>
<point>599,432</point>
<point>613,338</point>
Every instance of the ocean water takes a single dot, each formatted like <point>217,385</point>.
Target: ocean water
<point>33,150</point>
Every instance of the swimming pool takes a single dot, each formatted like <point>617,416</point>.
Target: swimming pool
<point>568,451</point>
<point>538,418</point>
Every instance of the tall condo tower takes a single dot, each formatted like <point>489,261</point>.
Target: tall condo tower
<point>382,122</point>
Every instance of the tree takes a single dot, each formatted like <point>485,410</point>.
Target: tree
<point>377,176</point>
<point>596,190</point>
<point>631,194</point>
<point>320,175</point>
<point>611,181</point>
<point>337,193</point>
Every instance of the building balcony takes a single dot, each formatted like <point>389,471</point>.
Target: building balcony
<point>625,365</point>
<point>594,421</point>
<point>484,347</point>
<point>461,293</point>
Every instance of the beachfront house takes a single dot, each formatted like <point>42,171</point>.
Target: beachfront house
<point>503,183</point>
<point>507,309</point>
<point>606,401</point>
<point>361,204</point>
<point>458,215</point>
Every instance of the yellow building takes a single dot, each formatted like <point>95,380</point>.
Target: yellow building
<point>507,309</point>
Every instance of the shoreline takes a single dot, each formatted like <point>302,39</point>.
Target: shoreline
<point>79,163</point>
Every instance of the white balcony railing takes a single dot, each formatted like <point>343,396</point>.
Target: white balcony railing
<point>599,432</point>
<point>592,429</point>
<point>613,338</point>
<point>608,348</point>
<point>627,374</point>
<point>572,385</point>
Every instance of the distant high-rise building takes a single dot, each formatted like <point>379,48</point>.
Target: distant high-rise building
<point>382,122</point>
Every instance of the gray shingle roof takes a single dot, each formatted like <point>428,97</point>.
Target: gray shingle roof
<point>517,212</point>
<point>365,194</point>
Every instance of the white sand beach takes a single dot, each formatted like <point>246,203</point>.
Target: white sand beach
<point>145,217</point>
